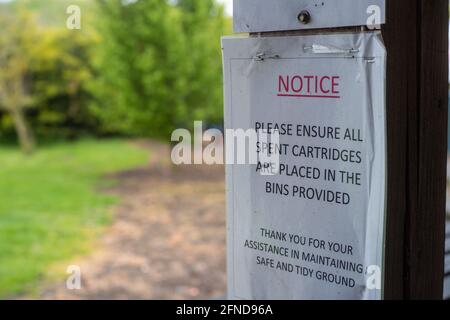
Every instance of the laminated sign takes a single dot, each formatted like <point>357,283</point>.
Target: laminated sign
<point>306,217</point>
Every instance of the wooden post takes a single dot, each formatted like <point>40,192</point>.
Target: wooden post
<point>416,37</point>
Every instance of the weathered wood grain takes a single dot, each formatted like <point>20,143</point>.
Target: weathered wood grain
<point>417,44</point>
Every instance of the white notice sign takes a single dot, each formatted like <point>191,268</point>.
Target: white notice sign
<point>315,229</point>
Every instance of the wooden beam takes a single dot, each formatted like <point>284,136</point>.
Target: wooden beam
<point>416,37</point>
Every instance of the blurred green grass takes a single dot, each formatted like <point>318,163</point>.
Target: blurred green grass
<point>50,206</point>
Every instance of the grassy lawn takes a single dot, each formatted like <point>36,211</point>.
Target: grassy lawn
<point>50,208</point>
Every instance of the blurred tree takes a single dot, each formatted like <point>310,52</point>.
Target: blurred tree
<point>63,69</point>
<point>140,84</point>
<point>16,39</point>
<point>54,64</point>
<point>147,68</point>
<point>60,78</point>
<point>203,25</point>
<point>159,65</point>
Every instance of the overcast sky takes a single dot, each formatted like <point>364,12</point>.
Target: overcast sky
<point>228,5</point>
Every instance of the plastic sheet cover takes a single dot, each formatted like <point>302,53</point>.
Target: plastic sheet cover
<point>315,229</point>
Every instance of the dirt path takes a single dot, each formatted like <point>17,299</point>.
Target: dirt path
<point>167,239</point>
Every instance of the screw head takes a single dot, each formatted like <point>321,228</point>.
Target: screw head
<point>304,17</point>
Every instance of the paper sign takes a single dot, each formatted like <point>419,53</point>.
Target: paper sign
<point>315,229</point>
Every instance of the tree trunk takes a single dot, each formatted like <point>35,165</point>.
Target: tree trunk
<point>23,130</point>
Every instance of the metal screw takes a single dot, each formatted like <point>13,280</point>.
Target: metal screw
<point>304,17</point>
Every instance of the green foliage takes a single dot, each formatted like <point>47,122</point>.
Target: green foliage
<point>60,83</point>
<point>17,55</point>
<point>51,12</point>
<point>159,66</point>
<point>137,68</point>
<point>56,64</point>
<point>50,205</point>
<point>203,25</point>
